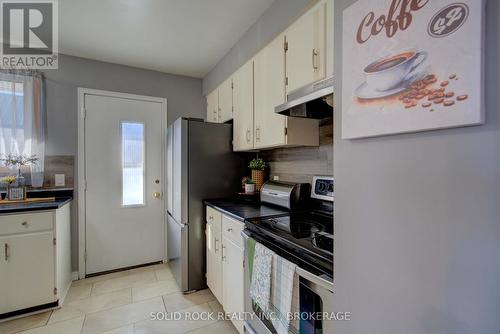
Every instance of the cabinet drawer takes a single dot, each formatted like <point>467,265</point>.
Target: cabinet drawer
<point>26,223</point>
<point>214,217</point>
<point>231,229</point>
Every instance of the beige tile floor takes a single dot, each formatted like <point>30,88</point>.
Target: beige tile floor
<point>121,303</point>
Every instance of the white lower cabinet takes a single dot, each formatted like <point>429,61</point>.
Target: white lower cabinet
<point>35,263</point>
<point>225,264</point>
<point>214,257</point>
<point>27,269</point>
<point>232,276</point>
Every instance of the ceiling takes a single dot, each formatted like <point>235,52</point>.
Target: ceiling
<point>185,37</point>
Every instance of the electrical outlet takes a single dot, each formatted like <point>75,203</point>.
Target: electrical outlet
<point>276,178</point>
<point>59,180</point>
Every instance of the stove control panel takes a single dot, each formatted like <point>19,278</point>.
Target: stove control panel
<point>322,188</point>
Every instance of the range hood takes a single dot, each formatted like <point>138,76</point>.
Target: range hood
<point>311,101</point>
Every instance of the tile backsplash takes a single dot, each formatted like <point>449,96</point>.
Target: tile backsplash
<point>59,164</point>
<point>300,164</point>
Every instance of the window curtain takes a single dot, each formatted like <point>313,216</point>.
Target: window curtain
<point>22,118</point>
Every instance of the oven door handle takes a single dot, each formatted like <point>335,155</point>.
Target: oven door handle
<point>324,283</point>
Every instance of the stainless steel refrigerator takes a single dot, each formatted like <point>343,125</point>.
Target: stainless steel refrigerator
<point>200,165</point>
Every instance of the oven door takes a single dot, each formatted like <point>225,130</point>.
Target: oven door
<point>315,295</point>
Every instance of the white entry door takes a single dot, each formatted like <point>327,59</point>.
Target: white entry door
<point>124,140</point>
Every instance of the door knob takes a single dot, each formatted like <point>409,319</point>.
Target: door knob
<point>156,194</point>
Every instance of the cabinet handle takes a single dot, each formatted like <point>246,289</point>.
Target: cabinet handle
<point>229,229</point>
<point>25,224</point>
<point>223,256</point>
<point>216,241</point>
<point>257,134</point>
<point>6,250</point>
<point>314,58</point>
<point>248,135</point>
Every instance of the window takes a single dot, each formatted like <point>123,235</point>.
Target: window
<point>133,146</point>
<point>22,119</point>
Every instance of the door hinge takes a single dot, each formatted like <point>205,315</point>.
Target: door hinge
<point>55,291</point>
<point>285,46</point>
<point>54,241</point>
<point>84,113</point>
<point>232,85</point>
<point>286,131</point>
<point>286,81</point>
<point>232,110</point>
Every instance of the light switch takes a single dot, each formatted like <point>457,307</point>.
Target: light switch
<point>276,178</point>
<point>59,180</point>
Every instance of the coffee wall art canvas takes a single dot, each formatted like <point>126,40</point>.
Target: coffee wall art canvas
<point>411,65</point>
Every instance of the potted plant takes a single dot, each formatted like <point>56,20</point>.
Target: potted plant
<point>17,191</point>
<point>8,180</point>
<point>19,161</point>
<point>249,185</point>
<point>257,166</point>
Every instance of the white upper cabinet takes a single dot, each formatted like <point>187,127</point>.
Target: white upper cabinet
<point>306,48</point>
<point>329,38</point>
<point>243,134</point>
<point>213,106</point>
<point>226,101</point>
<point>269,76</point>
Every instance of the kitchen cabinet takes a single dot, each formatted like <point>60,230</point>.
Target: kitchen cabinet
<point>225,272</point>
<point>243,109</point>
<point>226,101</point>
<point>232,269</point>
<point>27,269</point>
<point>213,106</point>
<point>329,38</point>
<point>272,129</point>
<point>214,257</point>
<point>232,276</point>
<point>36,259</point>
<point>306,48</point>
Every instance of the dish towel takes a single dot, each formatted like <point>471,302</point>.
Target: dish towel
<point>260,286</point>
<point>284,293</point>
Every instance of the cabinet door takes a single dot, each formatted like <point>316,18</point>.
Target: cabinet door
<point>27,271</point>
<point>329,38</point>
<point>243,108</point>
<point>305,57</point>
<point>269,76</point>
<point>226,101</point>
<point>213,107</point>
<point>214,260</point>
<point>232,267</point>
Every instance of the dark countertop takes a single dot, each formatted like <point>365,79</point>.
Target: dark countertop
<point>242,209</point>
<point>35,206</point>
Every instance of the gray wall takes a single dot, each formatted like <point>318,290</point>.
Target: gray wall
<point>418,220</point>
<point>274,20</point>
<point>183,95</point>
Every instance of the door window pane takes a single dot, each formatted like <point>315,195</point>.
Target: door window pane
<point>132,163</point>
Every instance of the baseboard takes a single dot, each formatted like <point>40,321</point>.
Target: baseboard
<point>74,276</point>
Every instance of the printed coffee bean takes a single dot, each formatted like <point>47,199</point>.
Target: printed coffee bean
<point>449,94</point>
<point>462,97</point>
<point>448,103</point>
<point>439,100</point>
<point>426,104</point>
<point>453,76</point>
<point>444,83</point>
